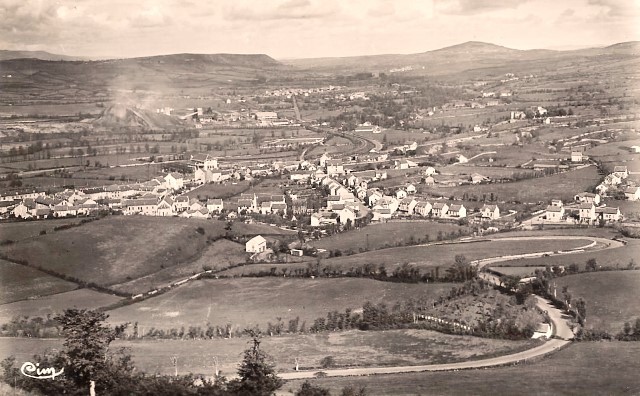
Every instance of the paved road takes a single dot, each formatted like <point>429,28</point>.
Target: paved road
<point>560,328</point>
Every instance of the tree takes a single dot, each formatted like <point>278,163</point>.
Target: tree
<point>307,389</point>
<point>257,375</point>
<point>592,265</point>
<point>86,344</point>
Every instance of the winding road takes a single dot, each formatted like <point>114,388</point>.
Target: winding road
<point>562,332</point>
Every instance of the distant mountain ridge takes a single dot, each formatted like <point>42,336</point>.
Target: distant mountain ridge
<point>459,57</point>
<point>42,55</point>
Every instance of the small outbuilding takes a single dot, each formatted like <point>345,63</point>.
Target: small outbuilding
<point>256,244</point>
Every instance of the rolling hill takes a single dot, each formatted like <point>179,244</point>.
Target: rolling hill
<point>454,59</point>
<point>43,55</point>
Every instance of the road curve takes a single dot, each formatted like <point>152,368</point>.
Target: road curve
<point>561,331</point>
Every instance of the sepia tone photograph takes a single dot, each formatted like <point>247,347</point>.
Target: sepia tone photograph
<point>319,197</point>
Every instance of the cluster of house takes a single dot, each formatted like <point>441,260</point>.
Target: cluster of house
<point>617,179</point>
<point>157,197</point>
<point>587,210</point>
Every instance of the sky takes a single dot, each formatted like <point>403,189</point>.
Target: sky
<point>309,28</point>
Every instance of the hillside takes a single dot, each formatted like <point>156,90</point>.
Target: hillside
<point>43,81</point>
<point>43,55</point>
<point>454,59</point>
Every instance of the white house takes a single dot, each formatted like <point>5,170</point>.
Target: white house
<point>585,197</point>
<point>587,212</point>
<point>555,213</point>
<point>165,207</point>
<point>174,180</point>
<point>408,205</point>
<point>632,193</point>
<point>621,171</point>
<point>608,214</point>
<point>440,209</point>
<point>576,156</point>
<point>215,205</point>
<point>347,214</point>
<point>457,210</point>
<point>256,244</point>
<point>422,208</point>
<point>490,212</point>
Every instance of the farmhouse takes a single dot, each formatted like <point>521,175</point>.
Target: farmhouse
<point>323,218</point>
<point>215,205</point>
<point>165,207</point>
<point>585,197</point>
<point>334,167</point>
<point>608,214</point>
<point>347,215</point>
<point>407,205</point>
<point>555,212</point>
<point>587,212</point>
<point>632,193</point>
<point>256,244</point>
<point>404,164</point>
<point>174,181</point>
<point>457,210</point>
<point>490,212</point>
<point>422,208</point>
<point>576,156</point>
<point>142,206</point>
<point>429,181</point>
<point>439,209</point>
<point>621,172</point>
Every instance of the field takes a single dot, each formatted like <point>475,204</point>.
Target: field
<point>391,234</point>
<point>618,257</point>
<point>20,282</point>
<point>560,186</point>
<point>216,256</point>
<point>29,229</point>
<point>56,303</point>
<point>589,368</point>
<point>257,301</point>
<point>611,297</point>
<point>443,255</point>
<point>117,249</point>
<point>350,348</point>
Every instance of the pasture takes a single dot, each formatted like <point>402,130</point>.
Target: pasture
<point>20,283</point>
<point>615,258</point>
<point>216,256</point>
<point>576,370</point>
<point>611,296</point>
<point>350,349</point>
<point>56,303</point>
<point>378,236</point>
<point>443,255</point>
<point>249,302</point>
<point>17,231</point>
<point>559,186</point>
<point>117,249</point>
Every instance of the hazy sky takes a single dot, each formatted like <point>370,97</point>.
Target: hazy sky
<point>309,28</point>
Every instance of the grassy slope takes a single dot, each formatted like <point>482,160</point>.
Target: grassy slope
<point>28,229</point>
<point>250,301</point>
<point>443,255</point>
<point>582,369</point>
<point>388,233</point>
<point>612,297</point>
<point>111,250</point>
<point>561,186</point>
<point>351,348</point>
<point>20,282</point>
<point>609,257</point>
<point>216,256</point>
<point>81,298</point>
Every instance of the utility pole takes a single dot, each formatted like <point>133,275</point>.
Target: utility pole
<point>174,361</point>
